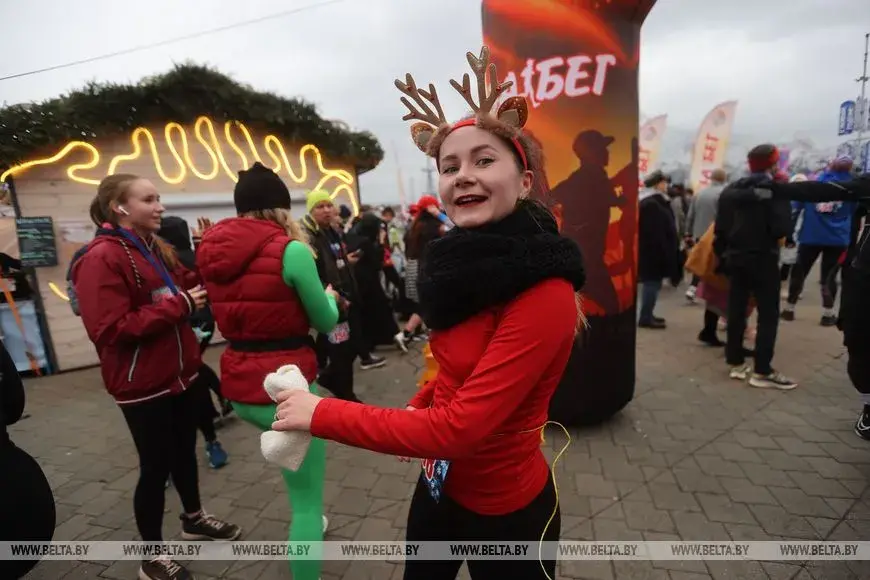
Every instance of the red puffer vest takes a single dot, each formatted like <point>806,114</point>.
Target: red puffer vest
<point>265,323</point>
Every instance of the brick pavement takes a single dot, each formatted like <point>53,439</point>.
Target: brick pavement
<point>694,456</point>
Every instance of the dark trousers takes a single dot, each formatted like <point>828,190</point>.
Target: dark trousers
<point>806,259</point>
<point>649,296</point>
<point>447,521</point>
<point>858,367</point>
<point>758,278</point>
<point>336,366</point>
<point>362,344</point>
<point>164,432</point>
<point>711,321</point>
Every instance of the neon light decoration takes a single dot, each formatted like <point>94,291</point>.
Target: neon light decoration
<point>204,132</point>
<point>58,292</point>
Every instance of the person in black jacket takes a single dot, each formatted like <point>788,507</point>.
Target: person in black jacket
<point>27,509</point>
<point>336,350</point>
<point>854,315</point>
<point>176,231</point>
<point>747,243</point>
<point>378,324</point>
<point>658,247</point>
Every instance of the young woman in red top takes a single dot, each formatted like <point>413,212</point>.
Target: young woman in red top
<point>498,293</point>
<point>135,300</point>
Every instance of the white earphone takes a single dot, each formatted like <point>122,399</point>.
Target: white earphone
<point>123,210</point>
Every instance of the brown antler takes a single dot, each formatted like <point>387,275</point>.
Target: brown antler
<point>480,65</point>
<point>424,112</point>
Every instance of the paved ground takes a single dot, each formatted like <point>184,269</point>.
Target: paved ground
<point>694,456</point>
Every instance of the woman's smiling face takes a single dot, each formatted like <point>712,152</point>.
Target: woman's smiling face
<point>479,180</point>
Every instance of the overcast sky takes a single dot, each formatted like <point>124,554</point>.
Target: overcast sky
<point>789,63</point>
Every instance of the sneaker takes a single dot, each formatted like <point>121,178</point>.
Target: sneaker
<point>691,294</point>
<point>401,340</point>
<point>787,315</point>
<point>372,362</point>
<point>862,425</point>
<point>217,457</point>
<point>206,527</point>
<point>829,320</point>
<point>325,524</point>
<point>740,372</point>
<point>163,568</point>
<point>653,324</point>
<point>773,380</point>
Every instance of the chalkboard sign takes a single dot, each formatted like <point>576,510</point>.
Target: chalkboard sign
<point>36,242</point>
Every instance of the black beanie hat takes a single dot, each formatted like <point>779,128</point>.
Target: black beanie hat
<point>260,188</point>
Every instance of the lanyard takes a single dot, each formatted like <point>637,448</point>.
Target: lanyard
<point>157,263</point>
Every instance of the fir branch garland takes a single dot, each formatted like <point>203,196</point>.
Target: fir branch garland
<point>107,110</point>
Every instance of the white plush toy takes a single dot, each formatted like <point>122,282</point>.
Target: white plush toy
<point>286,449</point>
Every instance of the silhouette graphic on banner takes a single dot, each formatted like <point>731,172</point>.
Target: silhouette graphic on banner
<point>576,62</point>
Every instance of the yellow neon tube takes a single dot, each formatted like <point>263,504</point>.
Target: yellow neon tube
<point>204,133</point>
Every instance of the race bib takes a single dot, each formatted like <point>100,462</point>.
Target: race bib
<point>160,294</point>
<point>340,333</point>
<point>828,207</point>
<point>435,472</point>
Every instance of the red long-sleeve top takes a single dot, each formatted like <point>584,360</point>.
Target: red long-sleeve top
<point>484,409</point>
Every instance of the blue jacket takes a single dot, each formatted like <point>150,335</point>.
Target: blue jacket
<point>829,223</point>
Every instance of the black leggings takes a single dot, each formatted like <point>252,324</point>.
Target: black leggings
<point>447,521</point>
<point>806,258</point>
<point>164,432</point>
<point>205,383</point>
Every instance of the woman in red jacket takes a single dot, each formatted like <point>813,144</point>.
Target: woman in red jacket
<point>498,293</point>
<point>135,299</point>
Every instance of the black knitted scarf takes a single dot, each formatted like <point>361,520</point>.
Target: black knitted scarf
<point>470,270</point>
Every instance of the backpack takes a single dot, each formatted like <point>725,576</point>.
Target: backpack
<point>70,287</point>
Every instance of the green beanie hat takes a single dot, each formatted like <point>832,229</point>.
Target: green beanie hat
<point>315,197</point>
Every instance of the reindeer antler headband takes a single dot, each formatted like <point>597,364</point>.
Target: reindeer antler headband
<point>511,115</point>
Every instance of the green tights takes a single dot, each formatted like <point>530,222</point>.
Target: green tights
<point>304,489</point>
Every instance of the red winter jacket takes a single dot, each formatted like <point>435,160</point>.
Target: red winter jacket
<point>485,407</point>
<point>146,346</point>
<point>241,263</point>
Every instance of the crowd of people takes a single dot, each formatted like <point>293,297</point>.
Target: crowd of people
<point>264,279</point>
<point>484,275</point>
<point>739,250</point>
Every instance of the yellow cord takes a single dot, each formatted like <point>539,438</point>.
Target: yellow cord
<point>555,489</point>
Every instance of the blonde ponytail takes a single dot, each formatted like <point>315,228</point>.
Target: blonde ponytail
<point>283,218</point>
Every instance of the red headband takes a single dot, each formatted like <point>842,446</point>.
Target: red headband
<point>472,122</point>
<point>759,164</point>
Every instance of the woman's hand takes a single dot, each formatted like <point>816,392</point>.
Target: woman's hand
<point>407,459</point>
<point>199,297</point>
<point>202,224</point>
<point>330,291</point>
<point>295,411</point>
